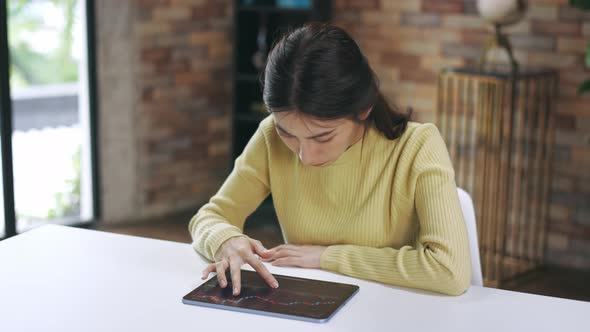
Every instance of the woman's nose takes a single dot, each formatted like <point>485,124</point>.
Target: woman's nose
<point>307,154</point>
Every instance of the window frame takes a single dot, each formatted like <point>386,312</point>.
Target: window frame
<point>6,128</point>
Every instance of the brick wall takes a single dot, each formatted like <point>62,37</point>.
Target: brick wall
<point>408,41</point>
<point>184,54</point>
<point>164,81</point>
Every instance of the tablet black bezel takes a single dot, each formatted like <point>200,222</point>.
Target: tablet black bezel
<point>345,293</point>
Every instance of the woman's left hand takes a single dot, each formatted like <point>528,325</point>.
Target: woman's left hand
<point>307,256</point>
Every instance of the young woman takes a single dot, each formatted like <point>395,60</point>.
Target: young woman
<point>358,188</point>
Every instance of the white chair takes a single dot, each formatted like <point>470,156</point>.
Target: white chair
<point>469,215</point>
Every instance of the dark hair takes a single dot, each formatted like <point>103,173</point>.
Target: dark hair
<point>319,70</point>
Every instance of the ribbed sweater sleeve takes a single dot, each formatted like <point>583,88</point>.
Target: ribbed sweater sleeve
<point>439,260</point>
<point>242,192</point>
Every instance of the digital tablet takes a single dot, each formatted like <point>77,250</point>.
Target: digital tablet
<point>296,298</point>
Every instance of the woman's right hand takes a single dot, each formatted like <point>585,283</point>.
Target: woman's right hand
<point>234,253</point>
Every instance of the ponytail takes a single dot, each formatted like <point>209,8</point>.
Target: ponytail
<point>389,121</point>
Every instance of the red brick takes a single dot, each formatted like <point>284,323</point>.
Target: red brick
<point>418,75</point>
<point>150,29</point>
<point>339,5</point>
<point>553,60</point>
<point>211,10</point>
<point>172,66</point>
<point>438,6</point>
<point>156,54</point>
<point>576,106</point>
<point>556,28</point>
<point>454,21</point>
<point>209,37</point>
<point>363,4</point>
<point>544,12</point>
<point>471,37</point>
<point>151,3</point>
<point>379,17</point>
<point>572,45</point>
<point>551,2</point>
<point>460,50</point>
<point>219,50</point>
<point>171,14</point>
<point>571,229</point>
<point>420,19</point>
<point>528,42</point>
<point>398,5</point>
<point>565,121</point>
<point>569,13</point>
<point>400,60</point>
<point>147,94</point>
<point>219,148</point>
<point>436,63</point>
<point>191,77</point>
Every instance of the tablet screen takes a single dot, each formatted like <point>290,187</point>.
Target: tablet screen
<point>313,300</point>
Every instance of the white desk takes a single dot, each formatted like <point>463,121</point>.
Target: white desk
<point>57,278</point>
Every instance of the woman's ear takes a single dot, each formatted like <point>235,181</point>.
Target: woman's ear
<point>363,116</point>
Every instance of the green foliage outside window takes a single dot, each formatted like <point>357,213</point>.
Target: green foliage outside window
<point>36,60</point>
<point>30,65</point>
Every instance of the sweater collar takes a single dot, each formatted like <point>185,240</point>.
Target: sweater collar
<point>354,154</point>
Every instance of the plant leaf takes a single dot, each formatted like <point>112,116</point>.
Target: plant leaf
<point>585,87</point>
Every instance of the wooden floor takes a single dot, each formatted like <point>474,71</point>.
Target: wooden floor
<point>269,235</point>
<point>261,225</point>
<point>558,282</point>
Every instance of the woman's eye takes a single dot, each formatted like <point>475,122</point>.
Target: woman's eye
<point>284,135</point>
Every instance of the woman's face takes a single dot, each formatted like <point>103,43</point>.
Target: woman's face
<point>318,143</point>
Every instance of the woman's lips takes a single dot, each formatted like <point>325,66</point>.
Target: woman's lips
<point>318,165</point>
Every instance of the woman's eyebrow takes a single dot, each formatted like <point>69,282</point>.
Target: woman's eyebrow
<point>314,136</point>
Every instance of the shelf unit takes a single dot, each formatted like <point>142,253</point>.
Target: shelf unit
<point>249,17</point>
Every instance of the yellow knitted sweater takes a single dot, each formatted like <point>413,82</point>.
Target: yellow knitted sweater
<point>386,210</point>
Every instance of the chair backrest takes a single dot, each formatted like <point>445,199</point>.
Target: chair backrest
<point>469,215</point>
